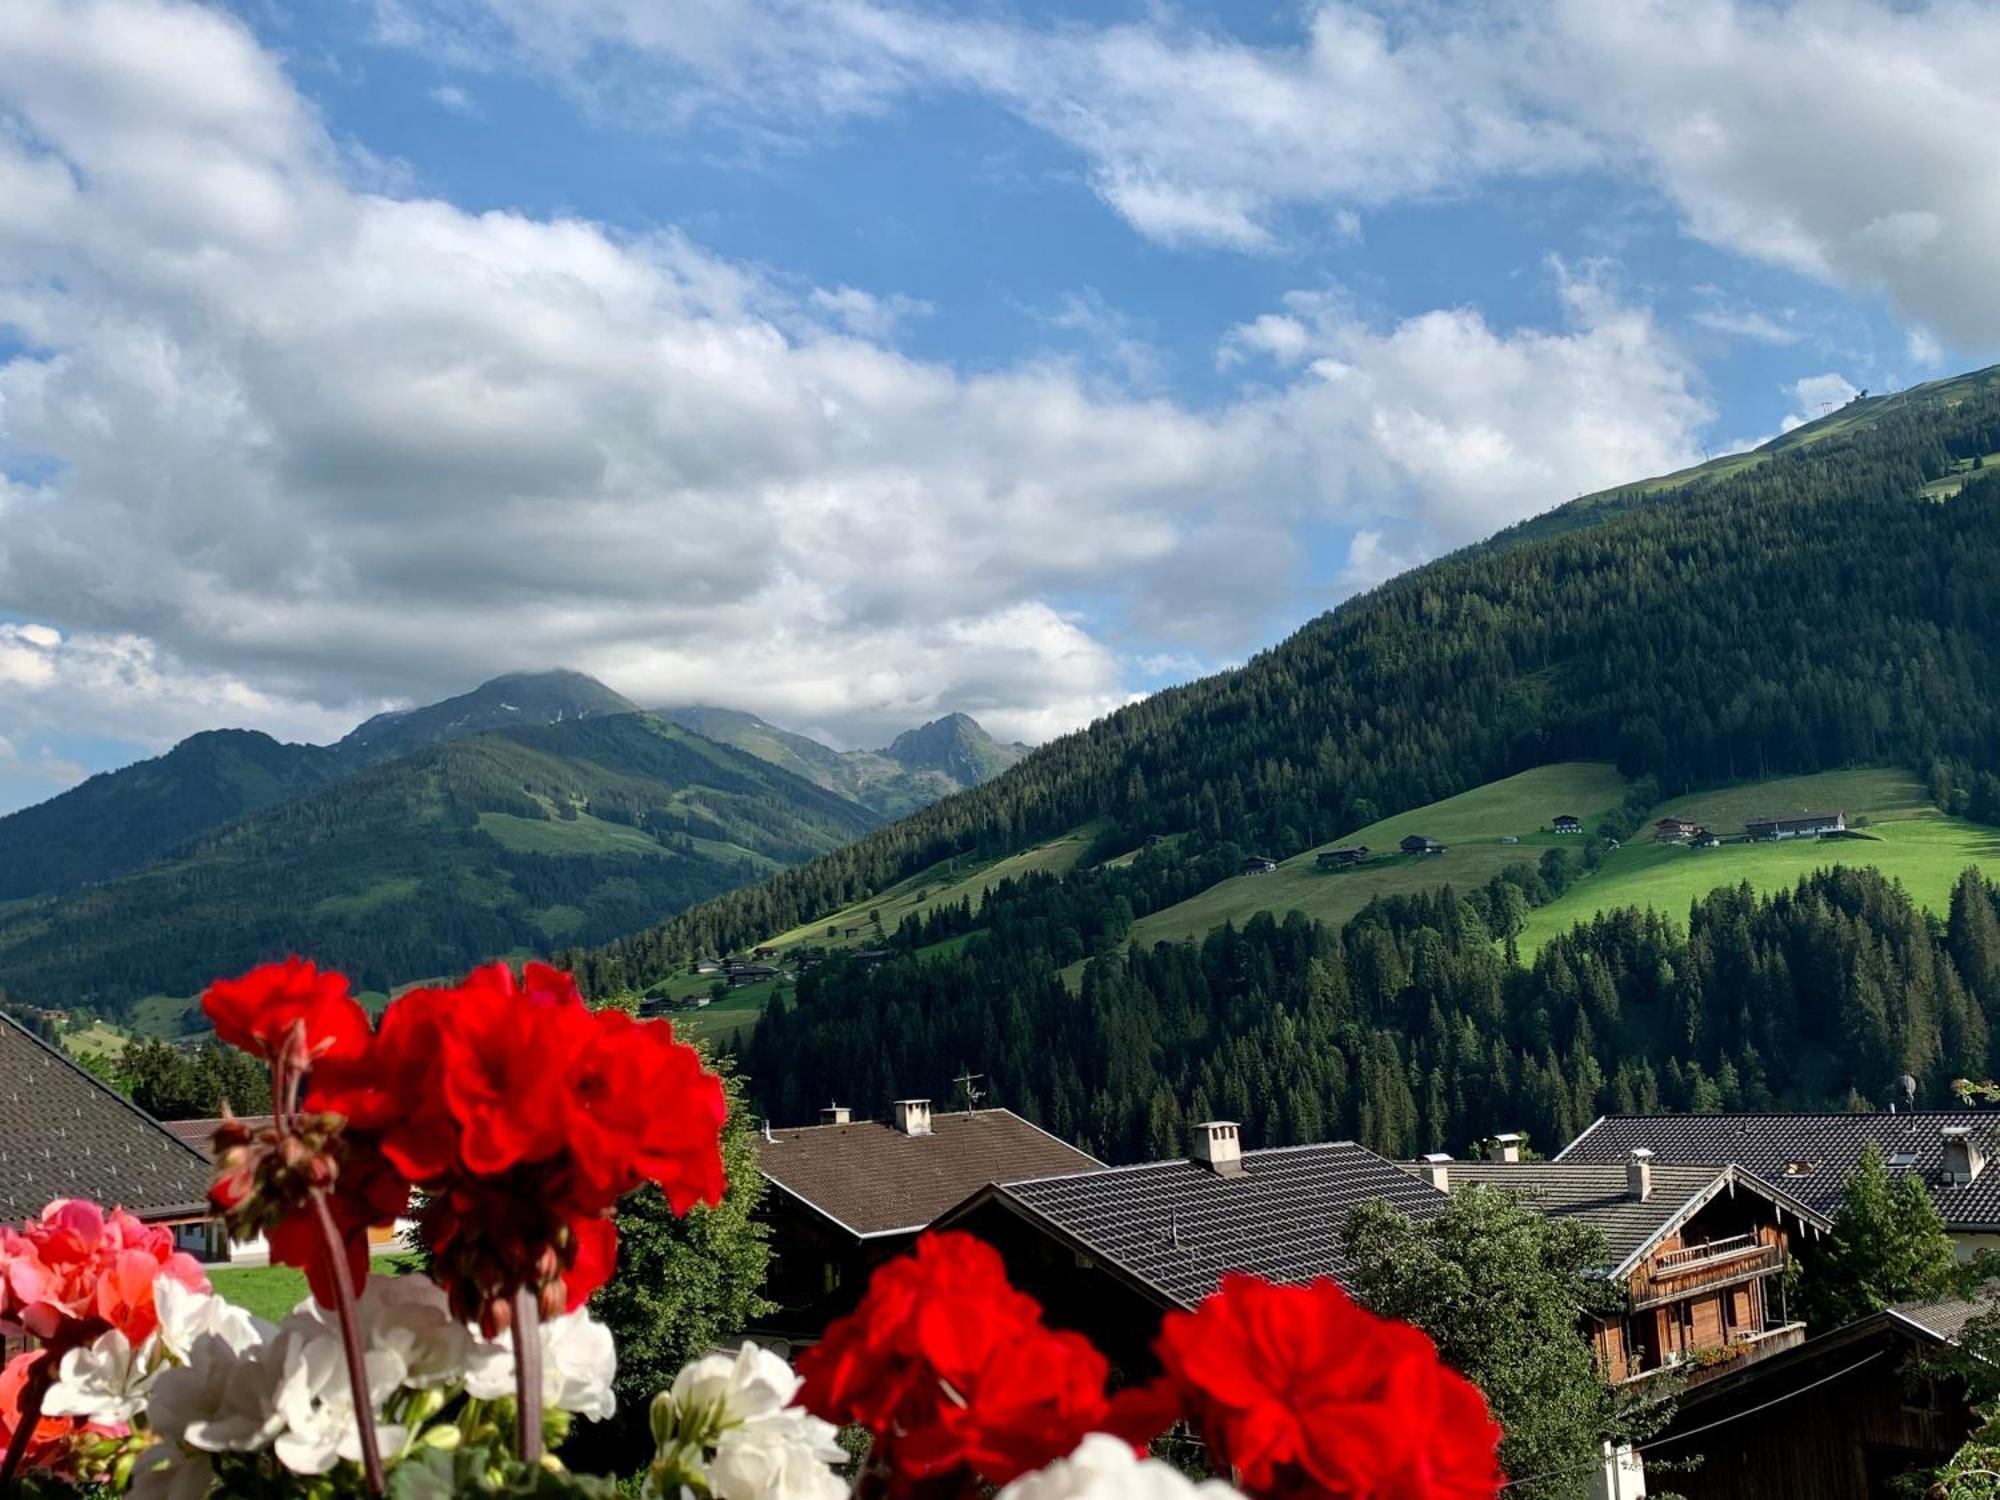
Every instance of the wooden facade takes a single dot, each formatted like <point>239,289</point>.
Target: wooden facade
<point>1842,1417</point>
<point>1710,1293</point>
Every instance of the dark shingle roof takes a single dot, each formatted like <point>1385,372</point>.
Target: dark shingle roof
<point>1176,1227</point>
<point>65,1134</point>
<point>199,1133</point>
<point>1946,1319</point>
<point>1827,1146</point>
<point>1597,1194</point>
<point>872,1179</point>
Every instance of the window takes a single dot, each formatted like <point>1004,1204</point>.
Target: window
<point>1903,1159</point>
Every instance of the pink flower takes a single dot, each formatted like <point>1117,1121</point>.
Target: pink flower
<point>76,1271</point>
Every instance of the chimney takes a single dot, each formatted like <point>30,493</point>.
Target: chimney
<point>836,1114</point>
<point>1436,1170</point>
<point>913,1116</point>
<point>1504,1147</point>
<point>1219,1147</point>
<point>1639,1175</point>
<point>1963,1160</point>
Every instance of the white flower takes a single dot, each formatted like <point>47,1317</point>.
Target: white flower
<point>220,1401</point>
<point>578,1364</point>
<point>105,1380</point>
<point>167,1471</point>
<point>186,1315</point>
<point>780,1455</point>
<point>314,1404</point>
<point>407,1316</point>
<point>1104,1468</point>
<point>752,1382</point>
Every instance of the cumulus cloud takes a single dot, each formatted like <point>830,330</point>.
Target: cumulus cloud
<point>1817,395</point>
<point>278,448</point>
<point>1851,142</point>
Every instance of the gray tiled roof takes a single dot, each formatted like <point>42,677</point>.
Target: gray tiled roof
<point>1177,1227</point>
<point>1827,1147</point>
<point>1946,1318</point>
<point>1597,1195</point>
<point>64,1134</point>
<point>200,1134</point>
<point>872,1179</point>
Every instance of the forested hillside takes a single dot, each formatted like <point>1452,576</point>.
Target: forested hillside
<point>1820,605</point>
<point>432,862</point>
<point>1411,1029</point>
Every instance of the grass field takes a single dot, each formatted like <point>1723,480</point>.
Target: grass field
<point>273,1291</point>
<point>1471,825</point>
<point>1911,841</point>
<point>943,884</point>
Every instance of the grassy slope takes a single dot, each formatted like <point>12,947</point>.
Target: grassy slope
<point>942,885</point>
<point>271,1292</point>
<point>1913,842</point>
<point>1471,824</point>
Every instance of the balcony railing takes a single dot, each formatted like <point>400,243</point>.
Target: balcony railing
<point>1675,1273</point>
<point>1704,1365</point>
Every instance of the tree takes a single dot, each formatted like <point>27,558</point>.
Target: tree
<point>170,1084</point>
<point>682,1286</point>
<point>1500,1288</point>
<point>1888,1245</point>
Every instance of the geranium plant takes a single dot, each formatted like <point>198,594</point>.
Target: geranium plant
<point>513,1118</point>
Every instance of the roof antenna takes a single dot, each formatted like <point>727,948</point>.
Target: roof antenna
<point>1174,1227</point>
<point>968,1088</point>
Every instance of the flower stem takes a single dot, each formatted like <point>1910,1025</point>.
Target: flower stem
<point>350,1340</point>
<point>40,1377</point>
<point>528,1375</point>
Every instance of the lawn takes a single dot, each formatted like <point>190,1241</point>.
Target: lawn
<point>273,1291</point>
<point>943,884</point>
<point>1470,824</point>
<point>1910,841</point>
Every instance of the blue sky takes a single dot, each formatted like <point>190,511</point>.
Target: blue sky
<point>856,361</point>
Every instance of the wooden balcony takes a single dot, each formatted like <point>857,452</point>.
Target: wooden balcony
<point>1677,1273</point>
<point>1706,1364</point>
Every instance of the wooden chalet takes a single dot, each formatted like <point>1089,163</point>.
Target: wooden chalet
<point>65,1133</point>
<point>1260,864</point>
<point>1854,1413</point>
<point>1416,843</point>
<point>1811,1155</point>
<point>1803,825</point>
<point>846,1195</point>
<point>1341,858</point>
<point>1701,1253</point>
<point>1109,1253</point>
<point>1567,823</point>
<point>1676,828</point>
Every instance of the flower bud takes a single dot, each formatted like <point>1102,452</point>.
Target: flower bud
<point>664,1418</point>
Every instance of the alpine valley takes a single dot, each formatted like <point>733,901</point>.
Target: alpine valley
<point>536,810</point>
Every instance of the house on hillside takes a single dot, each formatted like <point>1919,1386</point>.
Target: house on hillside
<point>1567,823</point>
<point>1803,825</point>
<point>846,1195</point>
<point>1109,1253</point>
<point>1809,1156</point>
<point>1260,864</point>
<point>1341,858</point>
<point>1700,1252</point>
<point>1675,828</point>
<point>742,974</point>
<point>66,1134</point>
<point>1416,843</point>
<point>708,966</point>
<point>1857,1409</point>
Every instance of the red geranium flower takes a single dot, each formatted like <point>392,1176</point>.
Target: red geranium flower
<point>617,1132</point>
<point>506,1060</point>
<point>49,1447</point>
<point>950,1367</point>
<point>1303,1392</point>
<point>257,1011</point>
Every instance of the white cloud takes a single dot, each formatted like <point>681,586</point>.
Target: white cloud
<point>1923,348</point>
<point>1817,396</point>
<point>453,97</point>
<point>1850,141</point>
<point>314,447</point>
<point>1746,323</point>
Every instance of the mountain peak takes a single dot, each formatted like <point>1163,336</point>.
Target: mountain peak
<point>955,745</point>
<point>514,698</point>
